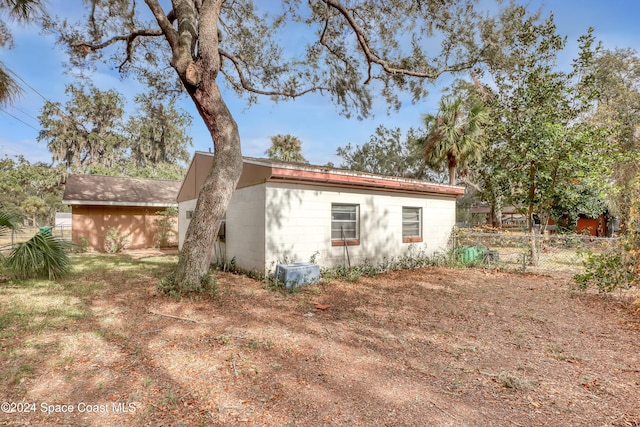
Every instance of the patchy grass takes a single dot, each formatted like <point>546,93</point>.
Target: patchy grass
<point>451,346</point>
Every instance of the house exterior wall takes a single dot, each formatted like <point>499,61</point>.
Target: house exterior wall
<point>245,228</point>
<point>592,226</point>
<point>139,223</point>
<point>183,222</point>
<point>298,224</point>
<point>277,221</point>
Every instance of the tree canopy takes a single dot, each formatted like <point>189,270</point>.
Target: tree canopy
<point>617,109</point>
<point>454,135</point>
<point>542,152</point>
<point>388,153</point>
<point>287,148</point>
<point>89,134</point>
<point>32,190</point>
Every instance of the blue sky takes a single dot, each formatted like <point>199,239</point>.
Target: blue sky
<point>313,118</point>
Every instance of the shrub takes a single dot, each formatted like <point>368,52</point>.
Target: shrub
<point>166,226</point>
<point>607,271</point>
<point>82,246</point>
<point>617,269</point>
<point>411,260</point>
<point>115,242</point>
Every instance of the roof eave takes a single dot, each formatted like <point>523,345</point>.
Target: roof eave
<point>120,203</point>
<point>369,182</point>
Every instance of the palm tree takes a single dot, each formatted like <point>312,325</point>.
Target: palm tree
<point>454,135</point>
<point>286,148</point>
<point>19,10</point>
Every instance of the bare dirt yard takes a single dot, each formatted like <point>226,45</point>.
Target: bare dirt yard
<point>428,347</point>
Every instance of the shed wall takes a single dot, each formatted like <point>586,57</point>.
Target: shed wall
<point>139,223</point>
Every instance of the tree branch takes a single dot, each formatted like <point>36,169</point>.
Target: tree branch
<point>244,84</point>
<point>165,24</point>
<point>373,58</point>
<point>324,43</point>
<point>129,38</point>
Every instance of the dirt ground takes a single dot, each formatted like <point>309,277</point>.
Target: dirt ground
<point>429,347</point>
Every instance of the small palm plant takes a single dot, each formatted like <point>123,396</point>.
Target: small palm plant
<point>42,256</point>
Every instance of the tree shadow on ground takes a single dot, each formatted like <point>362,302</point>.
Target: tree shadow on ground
<point>400,349</point>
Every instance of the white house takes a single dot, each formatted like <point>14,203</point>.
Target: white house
<point>292,211</point>
<point>63,221</point>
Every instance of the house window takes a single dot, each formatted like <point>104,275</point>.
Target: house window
<point>189,214</point>
<point>222,231</point>
<point>345,225</point>
<point>411,225</point>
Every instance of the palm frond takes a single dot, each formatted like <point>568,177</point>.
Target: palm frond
<point>43,256</point>
<point>23,10</point>
<point>8,222</point>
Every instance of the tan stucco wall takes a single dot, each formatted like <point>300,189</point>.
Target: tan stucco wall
<point>140,223</point>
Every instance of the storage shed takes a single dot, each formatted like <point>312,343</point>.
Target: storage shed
<point>130,205</point>
<point>292,211</point>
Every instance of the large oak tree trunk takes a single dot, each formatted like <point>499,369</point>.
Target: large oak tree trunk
<point>199,78</point>
<point>214,197</point>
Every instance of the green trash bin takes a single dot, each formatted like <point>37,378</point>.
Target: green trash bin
<point>471,255</point>
<point>45,231</point>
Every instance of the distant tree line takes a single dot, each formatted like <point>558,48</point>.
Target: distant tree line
<point>90,134</point>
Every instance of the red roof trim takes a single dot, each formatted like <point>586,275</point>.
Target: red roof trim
<point>364,181</point>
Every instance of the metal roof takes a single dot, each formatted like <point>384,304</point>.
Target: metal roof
<point>304,173</point>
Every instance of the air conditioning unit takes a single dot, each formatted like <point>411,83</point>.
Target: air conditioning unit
<point>298,274</point>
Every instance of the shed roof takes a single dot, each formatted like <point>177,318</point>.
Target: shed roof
<point>119,191</point>
<point>257,171</point>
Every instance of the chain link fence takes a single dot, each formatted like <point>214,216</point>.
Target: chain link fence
<point>518,251</point>
<point>12,238</point>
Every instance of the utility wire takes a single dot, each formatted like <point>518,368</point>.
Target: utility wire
<point>17,76</point>
<point>21,121</point>
<point>24,112</point>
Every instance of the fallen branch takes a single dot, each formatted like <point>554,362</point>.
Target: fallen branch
<point>173,317</point>
<point>153,331</point>
<point>443,411</point>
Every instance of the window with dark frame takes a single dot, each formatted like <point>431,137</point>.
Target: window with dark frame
<point>411,224</point>
<point>222,231</point>
<point>345,224</point>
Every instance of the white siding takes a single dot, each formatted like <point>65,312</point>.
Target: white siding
<point>245,228</point>
<point>183,222</point>
<point>274,222</point>
<point>298,224</point>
